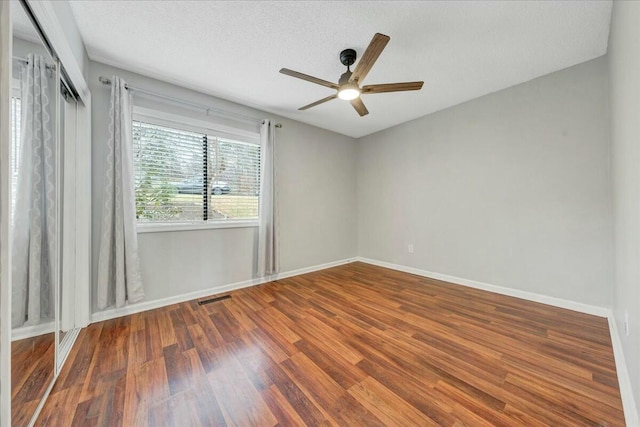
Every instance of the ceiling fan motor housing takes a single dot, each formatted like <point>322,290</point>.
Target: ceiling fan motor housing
<point>344,78</point>
<point>348,57</point>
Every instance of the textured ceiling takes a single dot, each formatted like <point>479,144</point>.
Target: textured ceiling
<point>234,49</point>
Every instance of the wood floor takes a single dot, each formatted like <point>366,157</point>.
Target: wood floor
<point>352,345</point>
<point>32,366</point>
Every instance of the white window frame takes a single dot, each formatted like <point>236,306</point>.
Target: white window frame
<point>161,118</point>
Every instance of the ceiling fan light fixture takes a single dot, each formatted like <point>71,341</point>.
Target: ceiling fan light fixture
<point>348,92</point>
<point>348,87</point>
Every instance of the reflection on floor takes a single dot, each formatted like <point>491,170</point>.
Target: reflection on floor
<point>351,345</point>
<point>32,364</point>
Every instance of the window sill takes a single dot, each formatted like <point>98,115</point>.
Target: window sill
<point>166,227</point>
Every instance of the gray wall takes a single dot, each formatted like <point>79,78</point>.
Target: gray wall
<point>624,84</point>
<point>510,189</point>
<point>67,20</point>
<point>21,48</point>
<point>316,199</point>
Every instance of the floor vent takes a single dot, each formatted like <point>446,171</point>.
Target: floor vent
<point>216,299</point>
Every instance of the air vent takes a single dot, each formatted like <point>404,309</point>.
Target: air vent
<point>216,299</point>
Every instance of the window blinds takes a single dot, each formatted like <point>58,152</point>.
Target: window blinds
<point>183,176</point>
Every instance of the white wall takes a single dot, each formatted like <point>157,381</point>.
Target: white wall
<point>624,84</point>
<point>316,198</point>
<point>510,189</point>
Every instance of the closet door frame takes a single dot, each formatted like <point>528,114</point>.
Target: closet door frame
<point>6,46</point>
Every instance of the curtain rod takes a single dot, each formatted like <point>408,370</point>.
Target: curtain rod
<point>50,67</point>
<point>107,81</point>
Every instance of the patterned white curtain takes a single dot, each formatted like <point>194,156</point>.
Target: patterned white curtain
<point>268,262</point>
<point>119,279</point>
<point>34,215</point>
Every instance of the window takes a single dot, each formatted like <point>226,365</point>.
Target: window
<point>192,175</point>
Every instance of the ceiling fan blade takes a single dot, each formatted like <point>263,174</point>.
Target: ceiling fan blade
<point>375,48</point>
<point>392,87</point>
<point>359,106</point>
<point>308,78</point>
<point>323,100</point>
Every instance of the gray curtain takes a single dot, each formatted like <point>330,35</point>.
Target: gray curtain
<point>119,279</point>
<point>268,262</point>
<point>34,215</point>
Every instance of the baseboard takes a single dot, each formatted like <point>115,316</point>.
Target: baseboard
<point>529,296</point>
<point>631,415</point>
<point>128,309</point>
<point>163,302</point>
<point>306,270</point>
<point>32,331</point>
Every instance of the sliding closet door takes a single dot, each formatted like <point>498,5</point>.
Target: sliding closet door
<point>5,208</point>
<point>35,219</point>
<point>45,202</point>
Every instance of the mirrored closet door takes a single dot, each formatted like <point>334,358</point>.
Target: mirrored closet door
<point>43,113</point>
<point>34,219</point>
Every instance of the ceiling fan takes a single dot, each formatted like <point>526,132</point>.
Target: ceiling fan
<point>348,87</point>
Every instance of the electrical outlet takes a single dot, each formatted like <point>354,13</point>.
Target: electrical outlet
<point>410,248</point>
<point>626,323</point>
